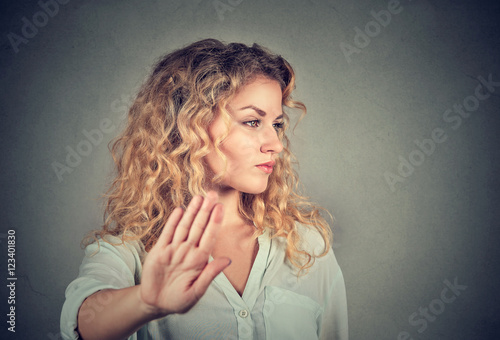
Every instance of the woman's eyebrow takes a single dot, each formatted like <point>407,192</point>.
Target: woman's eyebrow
<point>261,112</point>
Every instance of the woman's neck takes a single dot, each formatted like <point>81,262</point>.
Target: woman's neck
<point>233,221</point>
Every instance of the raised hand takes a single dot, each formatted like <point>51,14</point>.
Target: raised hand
<point>176,272</point>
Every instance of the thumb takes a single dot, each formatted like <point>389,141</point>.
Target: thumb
<point>211,270</point>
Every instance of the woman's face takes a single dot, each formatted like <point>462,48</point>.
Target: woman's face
<point>252,143</point>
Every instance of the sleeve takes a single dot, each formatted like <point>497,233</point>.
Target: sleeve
<point>330,282</point>
<point>104,266</point>
<point>334,323</point>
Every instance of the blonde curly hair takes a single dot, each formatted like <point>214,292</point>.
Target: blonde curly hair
<point>159,157</point>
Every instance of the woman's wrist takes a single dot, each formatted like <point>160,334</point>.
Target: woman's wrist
<point>149,311</point>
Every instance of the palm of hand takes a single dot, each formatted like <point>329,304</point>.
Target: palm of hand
<point>176,272</point>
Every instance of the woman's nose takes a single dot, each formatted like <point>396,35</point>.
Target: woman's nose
<point>271,142</point>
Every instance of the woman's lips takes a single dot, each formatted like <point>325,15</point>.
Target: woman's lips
<point>266,167</point>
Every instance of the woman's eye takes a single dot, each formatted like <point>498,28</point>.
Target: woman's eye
<point>253,123</point>
<point>278,126</point>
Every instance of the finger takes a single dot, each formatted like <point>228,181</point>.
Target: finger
<point>179,255</point>
<point>202,218</point>
<point>168,230</point>
<point>211,270</point>
<point>207,241</point>
<point>183,226</point>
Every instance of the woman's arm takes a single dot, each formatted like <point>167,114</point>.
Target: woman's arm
<point>175,275</point>
<point>335,318</point>
<point>113,314</point>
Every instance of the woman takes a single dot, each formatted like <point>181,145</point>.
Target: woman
<point>248,258</point>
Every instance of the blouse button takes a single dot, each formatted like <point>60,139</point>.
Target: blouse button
<point>243,313</point>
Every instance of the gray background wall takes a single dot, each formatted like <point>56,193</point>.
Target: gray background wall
<point>397,246</point>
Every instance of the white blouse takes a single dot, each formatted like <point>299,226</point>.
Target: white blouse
<point>275,303</point>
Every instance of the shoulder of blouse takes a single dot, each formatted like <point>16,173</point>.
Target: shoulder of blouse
<point>311,239</point>
<point>117,246</point>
